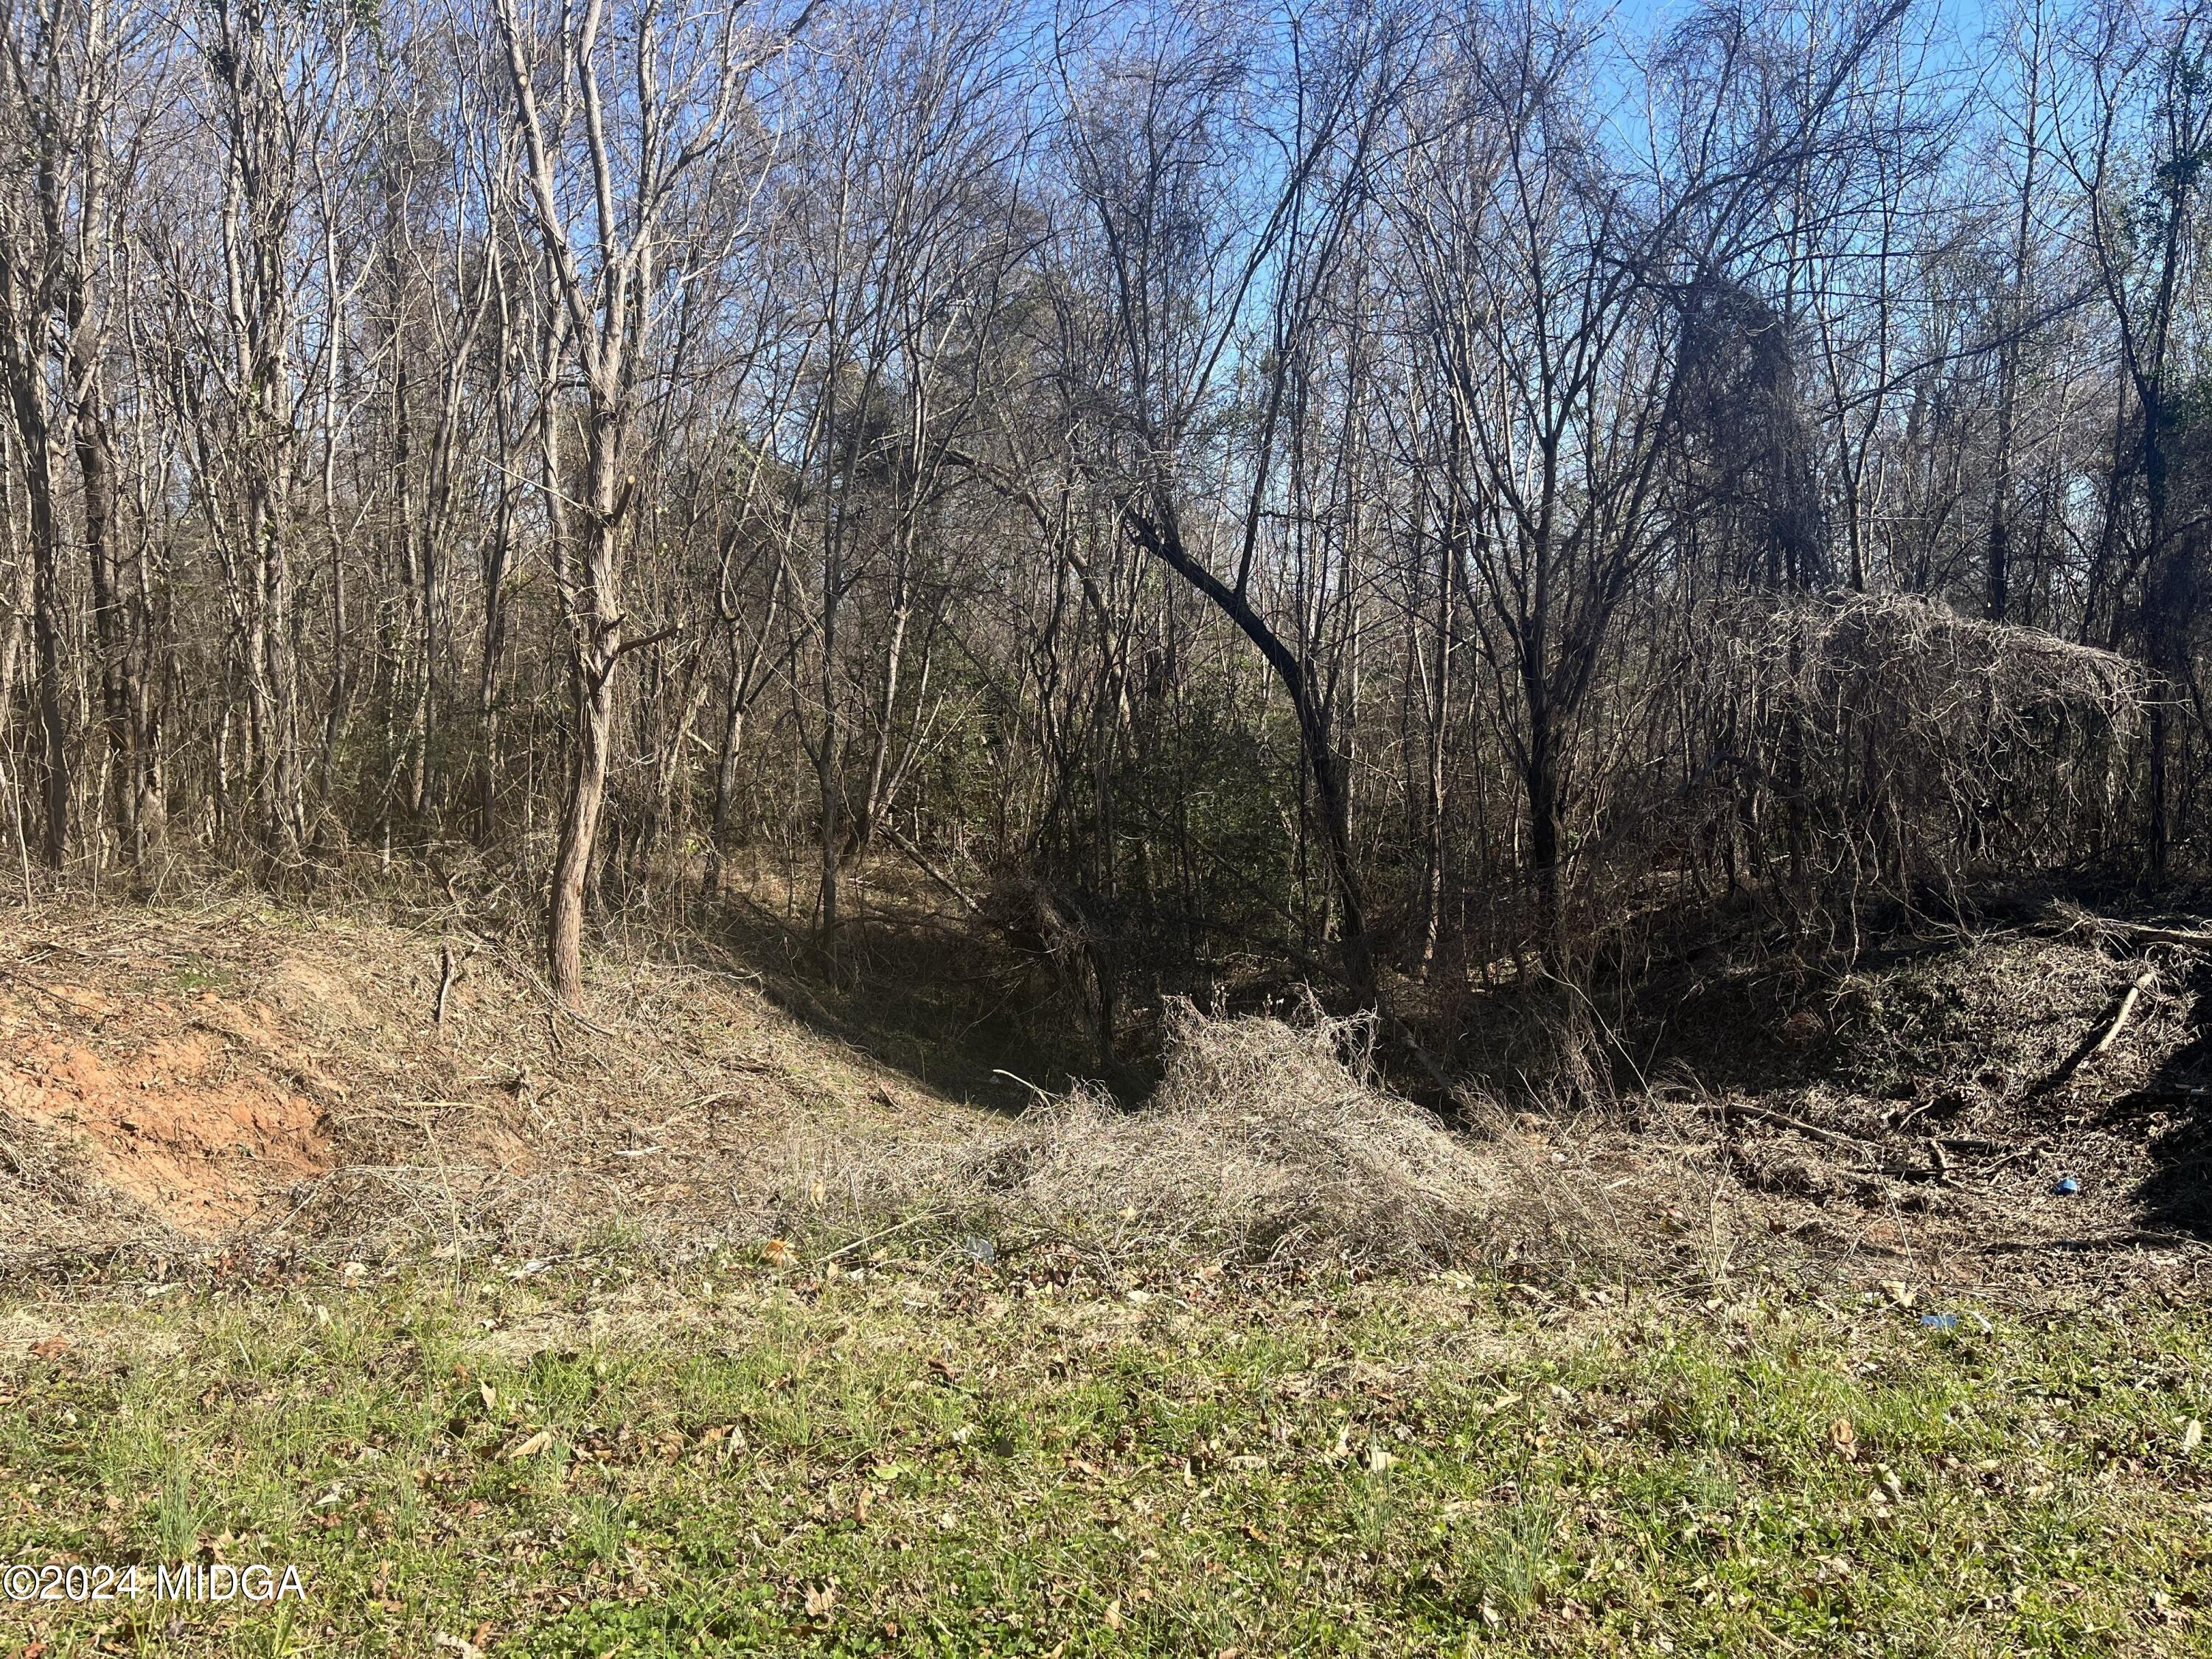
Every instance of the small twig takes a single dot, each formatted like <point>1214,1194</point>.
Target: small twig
<point>1969,1145</point>
<point>1001,1071</point>
<point>2030,1150</point>
<point>522,971</point>
<point>859,1244</point>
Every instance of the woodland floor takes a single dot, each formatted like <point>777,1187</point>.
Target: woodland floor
<point>1876,1320</point>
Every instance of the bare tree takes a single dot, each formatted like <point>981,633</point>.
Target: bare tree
<point>636,127</point>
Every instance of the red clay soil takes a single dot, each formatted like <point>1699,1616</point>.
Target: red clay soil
<point>167,1116</point>
<point>241,1071</point>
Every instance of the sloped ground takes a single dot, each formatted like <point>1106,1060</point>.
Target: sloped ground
<point>1975,1106</point>
<point>1964,1112</point>
<point>186,1075</point>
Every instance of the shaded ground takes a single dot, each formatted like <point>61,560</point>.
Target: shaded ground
<point>1961,1091</point>
<point>2171,1116</point>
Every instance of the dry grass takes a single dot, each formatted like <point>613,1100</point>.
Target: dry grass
<point>1274,1141</point>
<point>683,1111</point>
<point>686,1112</point>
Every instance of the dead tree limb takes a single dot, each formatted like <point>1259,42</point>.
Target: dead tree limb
<point>2144,980</point>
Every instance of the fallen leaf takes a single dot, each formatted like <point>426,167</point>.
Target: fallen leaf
<point>53,1348</point>
<point>778,1253</point>
<point>488,1394</point>
<point>2192,1436</point>
<point>530,1448</point>
<point>1113,1614</point>
<point>1842,1436</point>
<point>820,1601</point>
<point>460,1645</point>
<point>1900,1292</point>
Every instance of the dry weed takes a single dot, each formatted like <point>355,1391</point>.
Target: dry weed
<point>1272,1139</point>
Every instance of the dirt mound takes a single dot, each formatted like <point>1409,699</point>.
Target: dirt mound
<point>137,1103</point>
<point>171,1074</point>
<point>173,1125</point>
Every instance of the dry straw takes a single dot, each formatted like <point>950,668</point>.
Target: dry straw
<point>1267,1139</point>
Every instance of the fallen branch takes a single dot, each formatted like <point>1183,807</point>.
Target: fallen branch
<point>2093,1046</point>
<point>2078,920</point>
<point>922,864</point>
<point>2143,982</point>
<point>2138,1237</point>
<point>1782,1120</point>
<point>445,983</point>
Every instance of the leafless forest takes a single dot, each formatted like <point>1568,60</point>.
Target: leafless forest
<point>1400,493</point>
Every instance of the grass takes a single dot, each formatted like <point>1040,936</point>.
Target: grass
<point>586,1462</point>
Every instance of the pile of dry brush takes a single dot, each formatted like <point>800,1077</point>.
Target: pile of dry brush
<point>1273,1139</point>
<point>1875,745</point>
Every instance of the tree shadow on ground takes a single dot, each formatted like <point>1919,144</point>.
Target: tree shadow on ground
<point>2174,1115</point>
<point>949,1004</point>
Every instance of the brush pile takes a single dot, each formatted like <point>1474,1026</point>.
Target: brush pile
<point>1266,1140</point>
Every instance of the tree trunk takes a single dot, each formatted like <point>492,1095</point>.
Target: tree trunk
<point>45,646</point>
<point>594,679</point>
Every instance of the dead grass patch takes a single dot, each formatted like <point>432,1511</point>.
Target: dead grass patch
<point>1272,1139</point>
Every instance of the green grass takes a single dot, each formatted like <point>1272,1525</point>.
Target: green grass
<point>980,1465</point>
<point>195,976</point>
